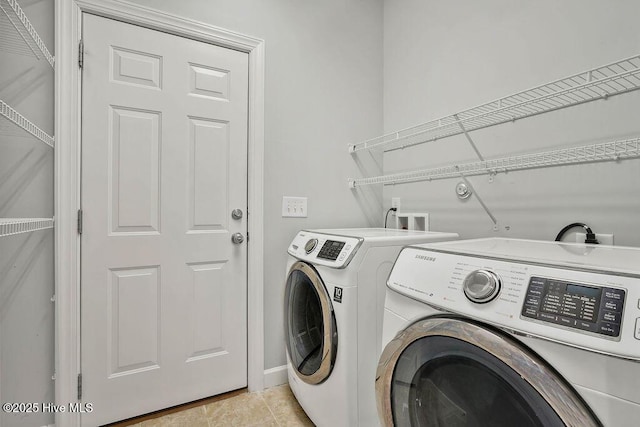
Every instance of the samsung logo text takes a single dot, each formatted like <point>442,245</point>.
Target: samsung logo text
<point>425,258</point>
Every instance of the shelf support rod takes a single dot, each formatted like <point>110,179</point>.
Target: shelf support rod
<point>464,130</point>
<point>484,206</point>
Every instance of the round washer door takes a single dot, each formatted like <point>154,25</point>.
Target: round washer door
<point>310,324</point>
<point>447,371</point>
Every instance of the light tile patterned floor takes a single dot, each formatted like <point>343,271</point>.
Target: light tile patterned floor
<point>273,407</point>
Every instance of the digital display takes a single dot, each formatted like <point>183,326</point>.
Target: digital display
<point>576,305</point>
<point>573,301</point>
<point>330,250</point>
<point>584,290</point>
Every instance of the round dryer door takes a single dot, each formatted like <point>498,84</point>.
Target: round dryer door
<point>447,371</point>
<point>310,324</point>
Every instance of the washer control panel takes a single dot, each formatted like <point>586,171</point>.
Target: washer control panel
<point>323,249</point>
<point>581,307</point>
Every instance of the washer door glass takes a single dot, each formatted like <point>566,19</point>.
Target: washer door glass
<point>311,331</point>
<point>452,372</point>
<point>442,381</point>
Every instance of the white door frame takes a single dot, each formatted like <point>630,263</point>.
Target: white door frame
<point>68,32</point>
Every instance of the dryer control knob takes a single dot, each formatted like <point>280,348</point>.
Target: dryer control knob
<point>311,245</point>
<point>481,286</point>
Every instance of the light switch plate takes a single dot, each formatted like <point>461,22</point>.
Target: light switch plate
<point>294,207</point>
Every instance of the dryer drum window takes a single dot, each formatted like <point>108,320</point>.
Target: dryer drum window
<point>451,372</point>
<point>310,325</point>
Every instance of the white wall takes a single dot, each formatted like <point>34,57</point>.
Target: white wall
<point>323,91</point>
<point>442,57</point>
<point>26,260</point>
<point>324,81</point>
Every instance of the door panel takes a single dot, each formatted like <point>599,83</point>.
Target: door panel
<point>164,162</point>
<point>136,68</point>
<point>134,168</point>
<point>132,306</point>
<point>208,171</point>
<point>206,309</point>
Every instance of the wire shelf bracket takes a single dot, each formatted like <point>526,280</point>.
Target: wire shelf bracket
<point>616,150</point>
<point>13,226</point>
<point>26,33</point>
<point>599,83</point>
<point>21,121</point>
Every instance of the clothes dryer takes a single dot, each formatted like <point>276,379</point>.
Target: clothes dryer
<point>508,332</point>
<point>334,299</point>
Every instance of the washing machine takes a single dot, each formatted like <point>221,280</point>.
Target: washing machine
<point>508,332</point>
<point>334,299</point>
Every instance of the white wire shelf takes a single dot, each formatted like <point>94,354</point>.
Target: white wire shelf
<point>615,150</point>
<point>17,33</point>
<point>21,121</point>
<point>11,226</point>
<point>599,83</point>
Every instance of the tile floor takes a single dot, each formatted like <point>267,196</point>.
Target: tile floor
<point>274,407</point>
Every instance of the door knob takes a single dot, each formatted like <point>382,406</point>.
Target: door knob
<point>236,214</point>
<point>237,238</point>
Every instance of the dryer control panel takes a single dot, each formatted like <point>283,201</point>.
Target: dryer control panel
<point>324,249</point>
<point>582,307</point>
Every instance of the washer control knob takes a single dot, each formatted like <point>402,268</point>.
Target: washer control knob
<point>311,245</point>
<point>481,286</point>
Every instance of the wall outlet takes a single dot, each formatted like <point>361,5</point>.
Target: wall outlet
<point>604,239</point>
<point>395,202</point>
<point>294,207</point>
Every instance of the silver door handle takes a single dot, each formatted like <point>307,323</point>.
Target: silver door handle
<point>236,214</point>
<point>237,238</point>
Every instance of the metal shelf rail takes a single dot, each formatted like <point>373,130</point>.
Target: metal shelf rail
<point>17,35</point>
<point>19,32</point>
<point>24,123</point>
<point>599,83</point>
<point>616,150</point>
<point>11,226</point>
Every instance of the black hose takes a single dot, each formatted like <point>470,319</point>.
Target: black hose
<point>387,216</point>
<point>591,237</point>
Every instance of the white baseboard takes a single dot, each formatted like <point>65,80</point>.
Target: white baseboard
<point>275,376</point>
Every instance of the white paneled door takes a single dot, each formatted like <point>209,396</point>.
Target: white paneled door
<point>164,164</point>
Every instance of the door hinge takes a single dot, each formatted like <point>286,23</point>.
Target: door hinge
<point>79,386</point>
<point>81,54</point>
<point>79,221</point>
<point>247,236</point>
